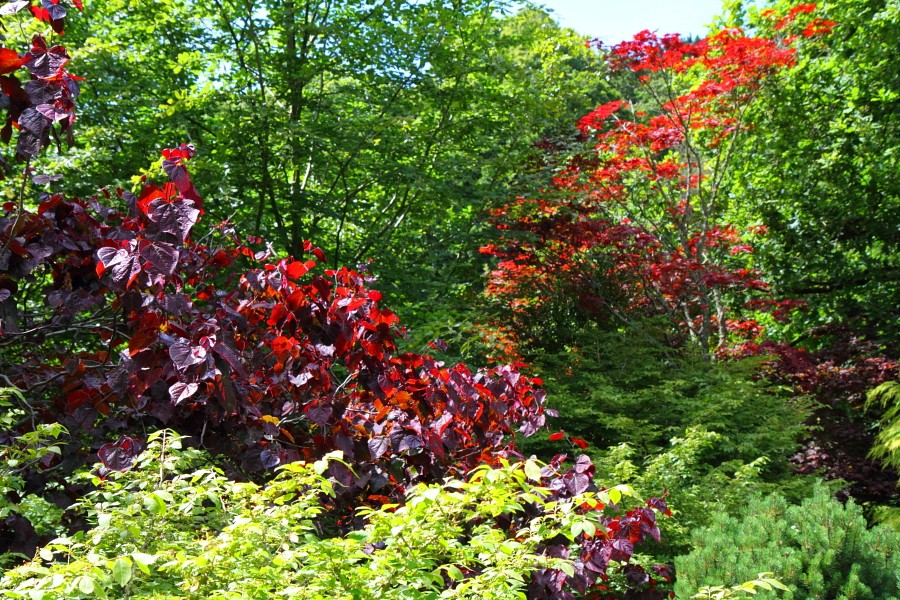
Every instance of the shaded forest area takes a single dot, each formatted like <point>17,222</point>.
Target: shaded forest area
<point>438,299</point>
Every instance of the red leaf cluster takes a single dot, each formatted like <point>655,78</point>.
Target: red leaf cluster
<point>48,98</point>
<point>268,365</point>
<point>637,222</point>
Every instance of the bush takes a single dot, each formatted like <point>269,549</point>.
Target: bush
<point>819,549</point>
<point>175,526</point>
<point>695,490</point>
<point>614,387</point>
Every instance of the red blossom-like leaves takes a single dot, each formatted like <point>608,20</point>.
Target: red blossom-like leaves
<point>635,222</point>
<point>10,61</point>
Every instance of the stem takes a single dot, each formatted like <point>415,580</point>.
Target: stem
<point>21,206</point>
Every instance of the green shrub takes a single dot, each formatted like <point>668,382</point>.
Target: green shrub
<point>695,491</point>
<point>21,454</point>
<point>176,527</point>
<point>819,549</point>
<point>614,387</point>
<point>660,419</point>
<point>720,592</point>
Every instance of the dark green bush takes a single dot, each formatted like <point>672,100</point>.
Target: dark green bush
<point>820,549</point>
<point>615,387</point>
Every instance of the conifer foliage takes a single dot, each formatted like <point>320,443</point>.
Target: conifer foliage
<point>819,549</point>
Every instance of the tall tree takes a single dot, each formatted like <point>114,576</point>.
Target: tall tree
<point>349,119</point>
<point>820,169</point>
<point>380,130</point>
<point>638,222</point>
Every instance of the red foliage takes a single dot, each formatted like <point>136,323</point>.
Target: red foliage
<point>637,223</point>
<point>282,366</point>
<point>837,377</point>
<point>46,100</point>
<point>268,365</point>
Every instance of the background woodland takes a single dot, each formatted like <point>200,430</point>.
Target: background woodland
<point>393,299</point>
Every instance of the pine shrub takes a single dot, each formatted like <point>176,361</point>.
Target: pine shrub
<point>820,549</point>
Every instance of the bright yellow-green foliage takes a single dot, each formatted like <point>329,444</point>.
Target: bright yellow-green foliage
<point>174,526</point>
<point>764,581</point>
<point>887,444</point>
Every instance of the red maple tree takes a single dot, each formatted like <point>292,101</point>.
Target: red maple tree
<point>638,222</point>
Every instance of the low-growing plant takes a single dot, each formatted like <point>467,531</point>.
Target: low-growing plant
<point>175,526</point>
<point>695,491</point>
<point>819,549</point>
<point>624,386</point>
<point>765,581</point>
<point>20,455</point>
<point>887,442</point>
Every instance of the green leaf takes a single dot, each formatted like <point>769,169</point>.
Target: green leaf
<point>577,529</point>
<point>453,572</point>
<point>85,584</point>
<point>589,528</point>
<point>121,570</point>
<point>155,504</point>
<point>532,470</point>
<point>143,561</point>
<point>615,495</point>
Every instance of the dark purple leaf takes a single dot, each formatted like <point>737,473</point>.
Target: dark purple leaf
<point>319,414</point>
<point>578,483</point>
<point>57,11</point>
<point>12,8</point>
<point>583,464</point>
<point>120,264</point>
<point>340,473</point>
<point>42,62</point>
<point>438,344</point>
<point>660,505</point>
<point>175,219</point>
<point>164,257</point>
<point>117,380</point>
<point>184,355</point>
<point>300,378</point>
<point>228,399</point>
<point>621,550</point>
<point>269,458</point>
<point>34,135</point>
<point>54,113</point>
<point>667,572</point>
<point>45,179</point>
<point>41,92</point>
<point>409,442</point>
<point>182,391</point>
<point>231,357</point>
<point>177,174</point>
<point>636,576</point>
<point>377,447</point>
<point>120,456</point>
<point>177,304</point>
